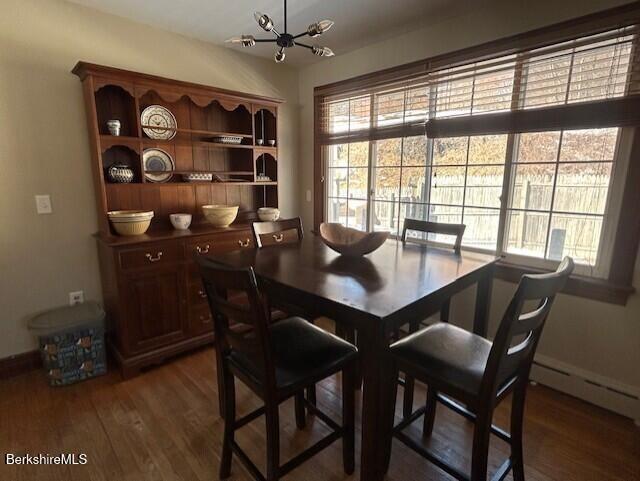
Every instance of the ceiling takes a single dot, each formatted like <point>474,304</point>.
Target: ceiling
<point>358,22</point>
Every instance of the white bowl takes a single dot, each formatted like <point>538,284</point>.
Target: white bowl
<point>268,214</point>
<point>180,221</point>
<point>220,215</point>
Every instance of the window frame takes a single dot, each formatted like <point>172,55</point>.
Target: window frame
<point>620,232</point>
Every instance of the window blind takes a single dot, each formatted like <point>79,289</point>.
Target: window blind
<point>586,82</point>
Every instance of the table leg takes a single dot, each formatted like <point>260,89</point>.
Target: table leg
<point>483,303</point>
<point>376,404</point>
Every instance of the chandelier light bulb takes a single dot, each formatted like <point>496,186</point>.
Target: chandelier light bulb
<point>244,40</point>
<point>279,56</point>
<point>319,28</point>
<point>264,21</point>
<point>322,51</point>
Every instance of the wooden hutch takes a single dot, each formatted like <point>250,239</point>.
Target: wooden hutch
<point>152,293</point>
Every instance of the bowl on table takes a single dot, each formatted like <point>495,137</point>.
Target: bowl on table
<point>350,242</point>
<point>220,215</point>
<point>180,221</point>
<point>268,214</point>
<point>130,222</point>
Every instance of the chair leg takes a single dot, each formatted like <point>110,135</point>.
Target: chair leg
<point>409,382</point>
<point>444,311</point>
<point>311,394</point>
<point>348,418</point>
<point>517,419</point>
<point>430,413</point>
<point>407,400</point>
<point>391,419</point>
<point>228,388</point>
<point>300,411</point>
<point>273,440</point>
<point>480,454</point>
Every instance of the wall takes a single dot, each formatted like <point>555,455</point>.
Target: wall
<point>44,143</point>
<point>593,337</point>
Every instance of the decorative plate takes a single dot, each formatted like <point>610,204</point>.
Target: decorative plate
<point>160,117</point>
<point>156,160</point>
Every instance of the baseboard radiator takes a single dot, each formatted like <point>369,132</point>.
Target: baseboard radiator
<point>599,390</point>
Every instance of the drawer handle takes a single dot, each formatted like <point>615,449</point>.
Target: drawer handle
<point>278,237</point>
<point>204,250</point>
<point>245,243</point>
<point>205,318</point>
<point>202,294</point>
<point>152,258</point>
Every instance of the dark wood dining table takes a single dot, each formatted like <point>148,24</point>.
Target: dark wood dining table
<point>395,285</point>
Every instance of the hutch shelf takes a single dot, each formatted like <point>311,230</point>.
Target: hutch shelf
<point>152,293</point>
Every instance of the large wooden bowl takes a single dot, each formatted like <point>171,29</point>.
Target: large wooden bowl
<point>351,242</point>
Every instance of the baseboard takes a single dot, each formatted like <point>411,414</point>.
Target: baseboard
<point>19,364</point>
<point>588,386</point>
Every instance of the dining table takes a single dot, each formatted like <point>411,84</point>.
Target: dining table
<point>397,284</point>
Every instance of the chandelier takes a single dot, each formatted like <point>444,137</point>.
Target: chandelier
<point>285,39</point>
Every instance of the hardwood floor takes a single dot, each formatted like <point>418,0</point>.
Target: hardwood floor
<point>163,425</point>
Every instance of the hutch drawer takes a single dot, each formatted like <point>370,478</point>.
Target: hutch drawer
<point>151,255</point>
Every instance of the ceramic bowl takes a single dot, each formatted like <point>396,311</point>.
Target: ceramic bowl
<point>271,142</point>
<point>130,222</point>
<point>220,215</point>
<point>180,221</point>
<point>268,214</point>
<point>351,242</point>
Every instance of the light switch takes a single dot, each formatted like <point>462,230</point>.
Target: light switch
<point>43,204</point>
<point>308,195</point>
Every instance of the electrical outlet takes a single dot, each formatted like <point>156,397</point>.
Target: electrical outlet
<point>43,204</point>
<point>76,297</point>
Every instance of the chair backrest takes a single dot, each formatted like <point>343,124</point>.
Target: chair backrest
<point>278,232</point>
<point>520,329</point>
<point>456,230</point>
<point>234,300</point>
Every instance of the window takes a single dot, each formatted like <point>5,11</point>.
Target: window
<point>421,149</point>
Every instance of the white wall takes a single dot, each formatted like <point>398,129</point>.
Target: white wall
<point>591,336</point>
<point>44,146</point>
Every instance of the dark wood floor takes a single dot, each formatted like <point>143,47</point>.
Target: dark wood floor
<point>163,425</point>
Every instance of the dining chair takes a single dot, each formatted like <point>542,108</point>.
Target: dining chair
<point>455,230</point>
<point>282,232</point>
<point>479,374</point>
<point>276,361</point>
<point>277,232</point>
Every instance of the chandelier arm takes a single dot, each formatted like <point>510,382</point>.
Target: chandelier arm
<point>301,35</point>
<point>304,45</point>
<point>275,32</point>
<point>285,16</point>
<point>271,40</point>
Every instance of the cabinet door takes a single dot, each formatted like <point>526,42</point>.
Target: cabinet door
<point>154,308</point>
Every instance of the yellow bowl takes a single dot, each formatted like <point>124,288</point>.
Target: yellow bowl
<point>220,215</point>
<point>137,227</point>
